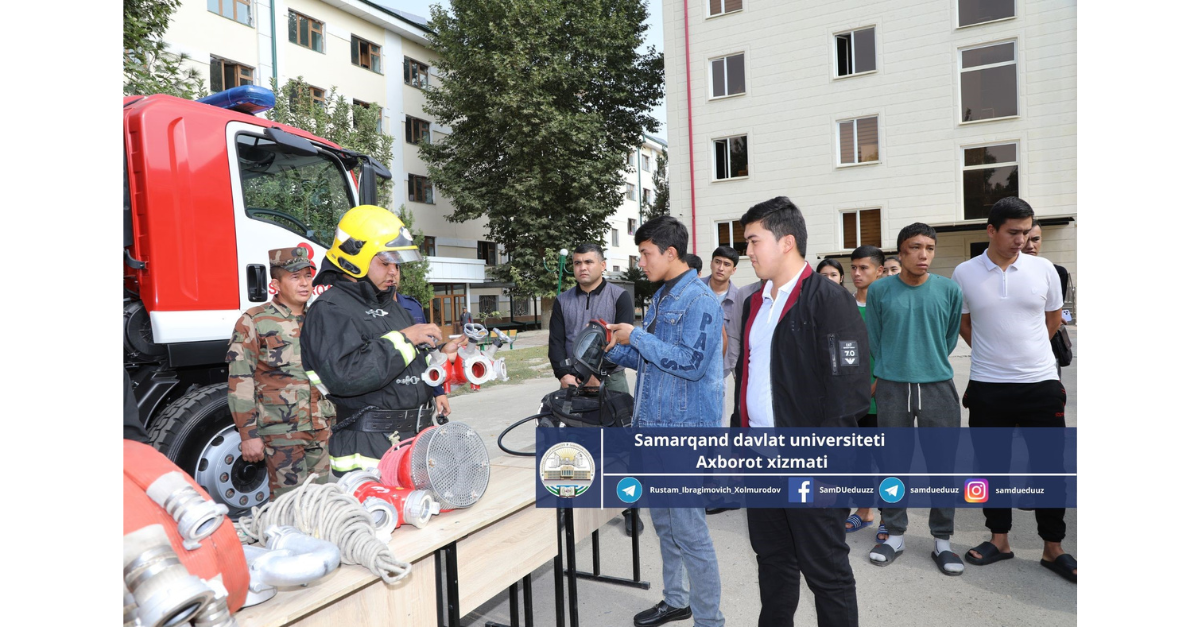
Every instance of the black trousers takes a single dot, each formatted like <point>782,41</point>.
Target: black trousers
<point>797,541</point>
<point>1041,404</point>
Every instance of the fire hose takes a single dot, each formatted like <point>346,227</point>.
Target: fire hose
<point>324,511</point>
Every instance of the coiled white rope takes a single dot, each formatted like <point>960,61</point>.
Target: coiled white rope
<point>325,512</point>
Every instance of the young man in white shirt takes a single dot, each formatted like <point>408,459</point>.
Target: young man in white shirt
<point>1012,305</point>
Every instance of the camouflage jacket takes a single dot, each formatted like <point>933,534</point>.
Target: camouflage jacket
<point>269,394</point>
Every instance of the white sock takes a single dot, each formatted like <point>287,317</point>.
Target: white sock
<point>941,545</point>
<point>894,541</point>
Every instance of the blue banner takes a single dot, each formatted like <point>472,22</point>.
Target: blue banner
<point>686,467</point>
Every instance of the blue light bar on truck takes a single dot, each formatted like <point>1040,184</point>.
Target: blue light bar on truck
<point>246,99</point>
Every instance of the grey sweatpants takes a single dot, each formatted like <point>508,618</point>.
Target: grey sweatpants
<point>927,405</point>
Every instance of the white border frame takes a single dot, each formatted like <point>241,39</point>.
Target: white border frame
<point>957,20</point>
<point>745,52</point>
<point>837,139</point>
<point>712,154</point>
<point>833,35</point>
<point>709,16</point>
<point>1016,63</point>
<point>841,229</point>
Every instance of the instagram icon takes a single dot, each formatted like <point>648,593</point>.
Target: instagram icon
<point>976,490</point>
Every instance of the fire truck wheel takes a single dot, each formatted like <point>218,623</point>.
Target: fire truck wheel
<point>197,433</point>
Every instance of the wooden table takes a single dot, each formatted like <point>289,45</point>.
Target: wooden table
<point>498,537</point>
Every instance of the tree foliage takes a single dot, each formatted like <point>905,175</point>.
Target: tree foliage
<point>545,97</point>
<point>149,68</point>
<point>643,288</point>
<point>662,191</point>
<point>413,274</point>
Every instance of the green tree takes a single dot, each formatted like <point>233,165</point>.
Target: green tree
<point>643,288</point>
<point>662,191</point>
<point>149,68</point>
<point>545,98</point>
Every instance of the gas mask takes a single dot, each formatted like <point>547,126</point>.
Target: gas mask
<point>587,358</point>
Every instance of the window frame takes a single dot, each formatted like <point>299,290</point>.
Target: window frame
<point>224,62</point>
<point>724,58</point>
<point>858,226</point>
<point>717,224</point>
<point>958,105</point>
<point>629,189</point>
<point>373,50</point>
<point>631,226</point>
<point>412,189</point>
<point>408,73</point>
<point>487,251</point>
<point>616,236</point>
<point>958,25</point>
<point>852,32</point>
<point>713,154</point>
<point>311,21</point>
<point>428,246</point>
<point>245,3</point>
<point>963,168</point>
<point>837,140</point>
<point>708,15</point>
<point>318,98</point>
<point>426,136</point>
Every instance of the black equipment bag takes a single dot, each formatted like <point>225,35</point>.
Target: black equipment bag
<point>570,407</point>
<point>1060,343</point>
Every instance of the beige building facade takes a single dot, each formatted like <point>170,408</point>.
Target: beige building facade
<point>873,116</point>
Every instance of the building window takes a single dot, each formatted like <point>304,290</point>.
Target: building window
<point>633,261</point>
<point>236,10</point>
<point>420,189</point>
<point>632,226</point>
<point>988,81</point>
<point>861,228</point>
<point>615,241</point>
<point>318,95</point>
<point>489,304</point>
<point>225,74</point>
<point>730,233</point>
<point>971,12</point>
<point>364,54</point>
<point>629,192</point>
<point>415,73</point>
<point>367,106</point>
<point>616,269</point>
<point>429,246</point>
<point>989,174</point>
<point>728,75</point>
<point>858,141</point>
<point>645,162</point>
<point>730,158</point>
<point>305,31</point>
<point>487,252</point>
<point>633,160</point>
<point>855,51</point>
<point>647,196</point>
<point>721,7</point>
<point>415,130</point>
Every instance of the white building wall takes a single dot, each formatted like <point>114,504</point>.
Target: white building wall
<point>794,98</point>
<point>618,256</point>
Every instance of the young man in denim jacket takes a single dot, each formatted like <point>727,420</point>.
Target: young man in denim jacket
<point>677,354</point>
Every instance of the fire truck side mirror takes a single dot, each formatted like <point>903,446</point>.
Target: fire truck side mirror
<point>256,283</point>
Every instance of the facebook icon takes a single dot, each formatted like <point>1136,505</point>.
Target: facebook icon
<point>800,490</point>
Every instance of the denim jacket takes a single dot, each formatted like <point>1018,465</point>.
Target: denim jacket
<point>679,366</point>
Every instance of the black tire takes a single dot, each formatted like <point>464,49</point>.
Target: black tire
<point>185,430</point>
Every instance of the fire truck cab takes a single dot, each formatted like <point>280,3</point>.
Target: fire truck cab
<point>209,189</point>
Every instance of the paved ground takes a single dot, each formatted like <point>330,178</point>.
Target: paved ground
<point>910,592</point>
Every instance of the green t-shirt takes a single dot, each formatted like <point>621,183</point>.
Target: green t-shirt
<point>862,311</point>
<point>913,330</point>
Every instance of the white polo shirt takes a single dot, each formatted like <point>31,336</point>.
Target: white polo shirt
<point>759,405</point>
<point>1009,342</point>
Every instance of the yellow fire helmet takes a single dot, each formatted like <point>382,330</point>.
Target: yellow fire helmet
<point>366,231</point>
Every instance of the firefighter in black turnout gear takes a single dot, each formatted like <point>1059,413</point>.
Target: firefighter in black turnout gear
<point>362,349</point>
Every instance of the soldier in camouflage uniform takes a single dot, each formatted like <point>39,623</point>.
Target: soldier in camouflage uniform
<point>279,414</point>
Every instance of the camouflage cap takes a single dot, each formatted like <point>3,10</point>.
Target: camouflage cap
<point>291,259</point>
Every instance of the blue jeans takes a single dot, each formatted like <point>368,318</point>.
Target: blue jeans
<point>685,544</point>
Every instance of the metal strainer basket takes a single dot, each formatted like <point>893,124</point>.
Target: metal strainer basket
<point>451,461</point>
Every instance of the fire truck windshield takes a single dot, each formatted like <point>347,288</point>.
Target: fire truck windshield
<point>304,194</point>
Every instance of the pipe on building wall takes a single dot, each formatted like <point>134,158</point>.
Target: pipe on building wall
<point>687,60</point>
<point>274,60</point>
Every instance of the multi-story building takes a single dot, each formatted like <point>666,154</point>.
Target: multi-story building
<point>619,250</point>
<point>872,116</point>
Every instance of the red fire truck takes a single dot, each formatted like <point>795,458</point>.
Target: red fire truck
<point>209,188</point>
